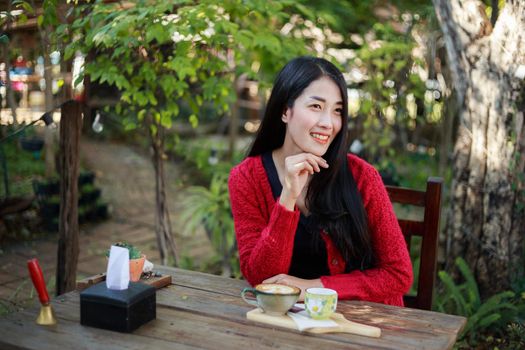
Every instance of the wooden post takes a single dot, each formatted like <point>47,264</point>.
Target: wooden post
<point>67,255</point>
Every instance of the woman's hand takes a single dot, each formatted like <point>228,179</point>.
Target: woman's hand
<point>297,169</point>
<point>294,281</point>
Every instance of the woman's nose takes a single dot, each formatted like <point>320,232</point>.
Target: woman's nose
<point>325,120</point>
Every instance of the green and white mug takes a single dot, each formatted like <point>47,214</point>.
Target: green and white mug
<point>320,303</point>
<point>272,298</point>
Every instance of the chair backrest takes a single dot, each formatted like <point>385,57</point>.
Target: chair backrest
<point>428,229</point>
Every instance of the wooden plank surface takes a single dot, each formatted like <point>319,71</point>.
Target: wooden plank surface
<point>204,281</point>
<point>180,328</point>
<point>342,325</point>
<point>361,310</point>
<point>158,282</point>
<point>400,329</point>
<point>204,311</point>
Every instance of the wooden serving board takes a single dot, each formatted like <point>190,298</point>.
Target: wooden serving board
<point>344,326</point>
<point>157,282</point>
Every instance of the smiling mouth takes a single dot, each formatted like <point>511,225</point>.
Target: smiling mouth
<point>320,138</point>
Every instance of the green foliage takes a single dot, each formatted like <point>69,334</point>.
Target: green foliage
<point>162,56</point>
<point>22,297</point>
<point>413,169</point>
<point>22,169</point>
<point>10,305</point>
<point>159,54</point>
<point>388,105</point>
<point>464,299</point>
<point>134,252</point>
<point>7,17</point>
<point>342,16</point>
<point>49,17</point>
<point>515,337</point>
<point>198,152</point>
<point>87,188</point>
<point>387,66</point>
<point>210,207</point>
<point>415,251</point>
<point>187,263</point>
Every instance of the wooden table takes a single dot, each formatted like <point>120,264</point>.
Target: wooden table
<point>206,311</point>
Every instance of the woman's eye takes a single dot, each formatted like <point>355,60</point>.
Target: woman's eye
<point>315,106</point>
<point>339,111</point>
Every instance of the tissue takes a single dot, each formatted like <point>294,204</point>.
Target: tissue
<point>117,274</point>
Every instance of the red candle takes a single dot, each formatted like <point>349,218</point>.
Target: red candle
<point>38,280</point>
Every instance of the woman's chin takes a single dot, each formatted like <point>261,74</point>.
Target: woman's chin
<point>317,151</point>
<point>314,148</point>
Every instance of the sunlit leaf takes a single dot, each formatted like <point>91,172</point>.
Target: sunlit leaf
<point>194,121</point>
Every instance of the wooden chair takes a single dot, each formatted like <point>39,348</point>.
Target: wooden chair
<point>428,229</point>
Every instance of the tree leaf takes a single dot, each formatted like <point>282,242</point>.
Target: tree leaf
<point>130,126</point>
<point>153,130</point>
<point>470,281</point>
<point>454,293</point>
<point>269,42</point>
<point>26,6</point>
<point>194,121</point>
<point>165,120</point>
<point>490,319</point>
<point>79,79</point>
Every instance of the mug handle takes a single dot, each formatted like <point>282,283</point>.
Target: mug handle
<point>249,291</point>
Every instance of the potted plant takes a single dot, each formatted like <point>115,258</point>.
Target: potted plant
<point>101,210</point>
<point>136,260</point>
<point>46,188</point>
<point>88,194</point>
<point>50,207</point>
<point>86,177</point>
<point>32,143</point>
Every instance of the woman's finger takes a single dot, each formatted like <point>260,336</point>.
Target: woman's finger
<point>304,166</point>
<point>319,161</point>
<point>272,279</point>
<point>312,159</point>
<point>314,164</point>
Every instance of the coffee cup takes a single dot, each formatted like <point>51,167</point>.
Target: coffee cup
<point>320,303</point>
<point>272,298</point>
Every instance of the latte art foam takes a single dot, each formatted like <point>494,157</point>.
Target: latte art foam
<point>275,289</point>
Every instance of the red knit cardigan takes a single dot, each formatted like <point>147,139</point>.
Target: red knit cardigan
<point>265,233</point>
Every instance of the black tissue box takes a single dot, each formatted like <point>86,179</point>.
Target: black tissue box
<point>118,310</point>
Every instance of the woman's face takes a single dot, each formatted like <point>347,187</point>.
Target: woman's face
<point>315,118</point>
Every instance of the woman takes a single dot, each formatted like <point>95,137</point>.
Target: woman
<point>306,213</point>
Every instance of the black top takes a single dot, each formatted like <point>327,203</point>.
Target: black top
<point>309,259</point>
<point>100,294</point>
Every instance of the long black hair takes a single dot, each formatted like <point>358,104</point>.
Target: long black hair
<point>332,196</point>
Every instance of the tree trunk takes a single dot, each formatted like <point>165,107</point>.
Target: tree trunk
<point>486,223</point>
<point>450,115</point>
<point>165,242</point>
<point>49,139</point>
<point>70,129</point>
<point>447,131</point>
